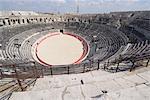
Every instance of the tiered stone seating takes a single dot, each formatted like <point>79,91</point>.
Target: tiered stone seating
<point>130,53</point>
<point>137,49</point>
<point>144,24</point>
<point>24,35</point>
<point>106,44</point>
<point>104,41</point>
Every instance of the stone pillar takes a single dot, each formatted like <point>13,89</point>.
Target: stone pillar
<point>6,22</point>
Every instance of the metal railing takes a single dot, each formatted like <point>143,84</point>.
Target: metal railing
<point>34,69</point>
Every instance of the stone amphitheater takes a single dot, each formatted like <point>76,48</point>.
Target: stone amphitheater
<point>113,64</point>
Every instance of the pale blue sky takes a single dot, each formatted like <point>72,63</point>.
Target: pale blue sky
<point>65,6</point>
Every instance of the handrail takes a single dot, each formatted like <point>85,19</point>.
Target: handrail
<point>7,83</point>
<point>8,87</point>
<point>17,88</point>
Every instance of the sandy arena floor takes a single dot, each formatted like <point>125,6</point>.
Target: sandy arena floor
<point>59,49</point>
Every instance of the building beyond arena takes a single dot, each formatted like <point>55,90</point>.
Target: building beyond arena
<point>74,57</point>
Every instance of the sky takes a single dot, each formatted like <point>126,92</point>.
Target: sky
<point>70,6</point>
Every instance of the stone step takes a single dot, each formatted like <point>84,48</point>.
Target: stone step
<point>94,84</point>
